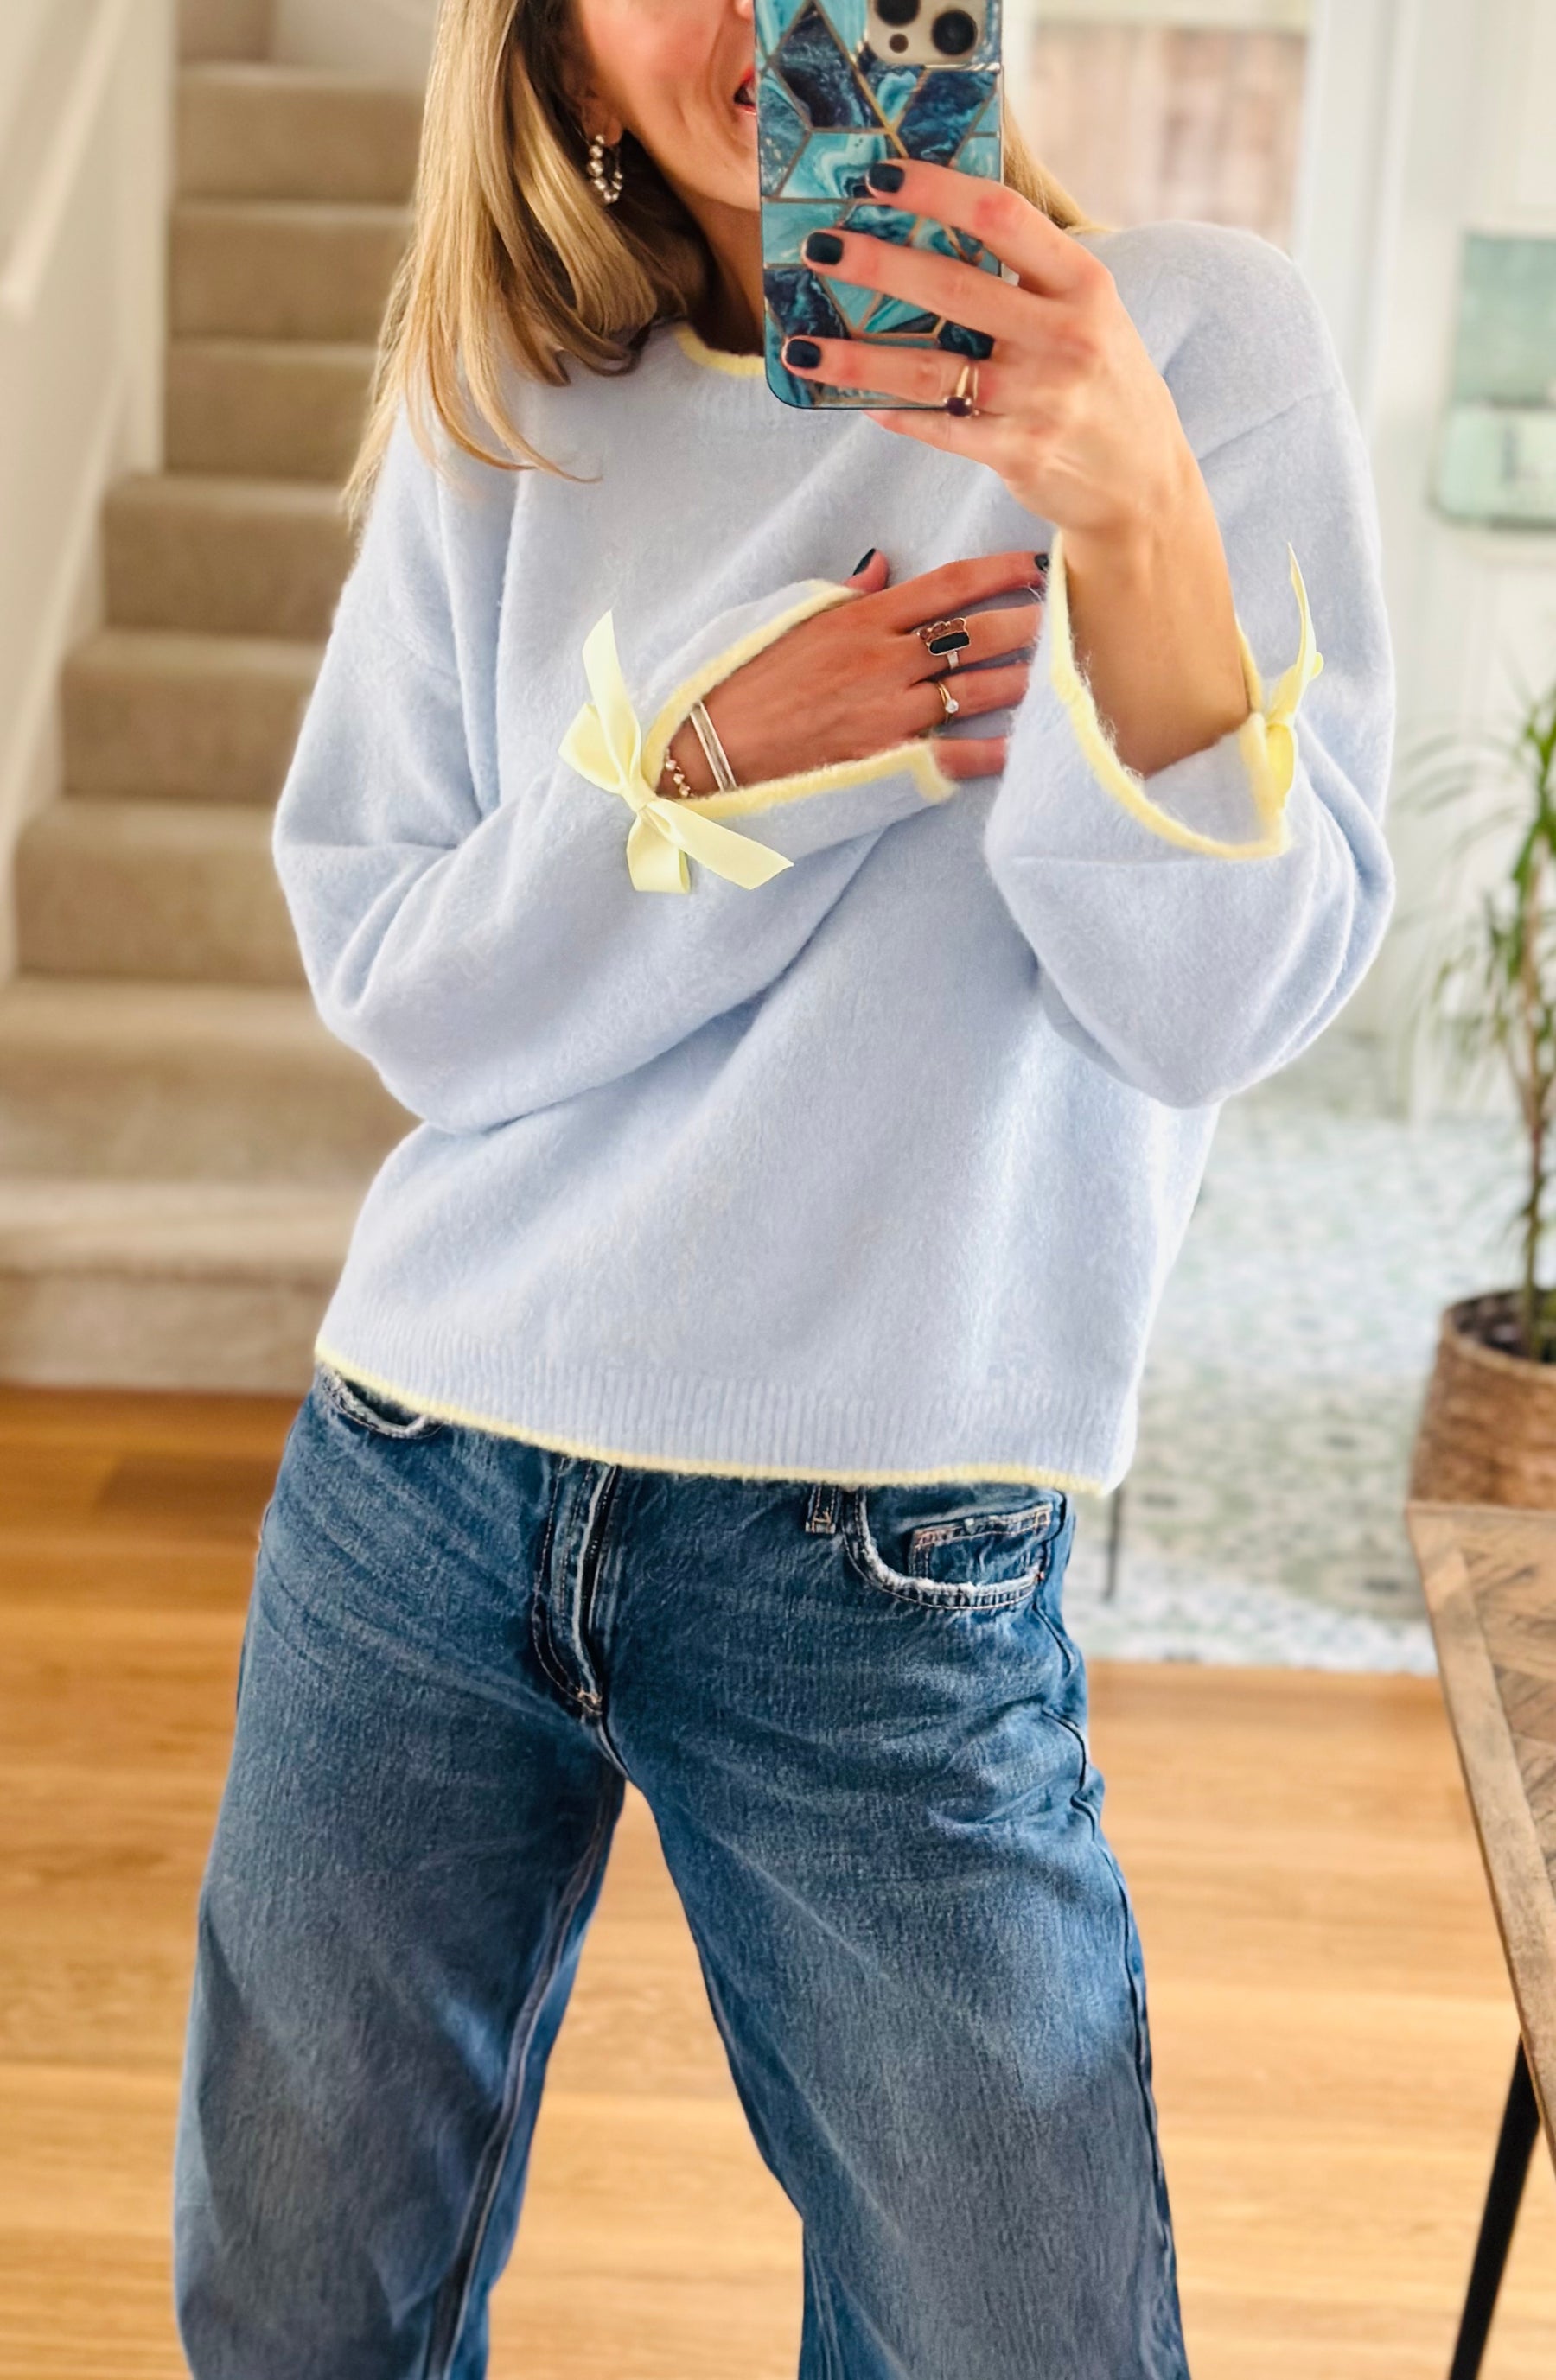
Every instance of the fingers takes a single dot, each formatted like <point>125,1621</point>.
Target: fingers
<point>974,693</point>
<point>938,284</point>
<point>982,440</point>
<point>1019,234</point>
<point>970,756</point>
<point>990,635</point>
<point>870,573</point>
<point>954,585</point>
<point>919,375</point>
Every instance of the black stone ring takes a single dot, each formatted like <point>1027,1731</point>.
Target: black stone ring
<point>946,639</point>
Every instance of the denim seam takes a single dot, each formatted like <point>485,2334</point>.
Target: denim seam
<point>593,1553</point>
<point>826,2319</point>
<point>1148,2105</point>
<point>547,1651</point>
<point>341,1398</point>
<point>927,1594</point>
<point>500,2139</point>
<point>1167,2271</point>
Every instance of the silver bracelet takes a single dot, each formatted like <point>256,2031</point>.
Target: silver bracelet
<point>713,751</point>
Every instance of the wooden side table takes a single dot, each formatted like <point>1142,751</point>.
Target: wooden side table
<point>1490,1577</point>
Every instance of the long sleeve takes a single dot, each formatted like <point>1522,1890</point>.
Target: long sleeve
<point>1195,930</point>
<point>467,921</point>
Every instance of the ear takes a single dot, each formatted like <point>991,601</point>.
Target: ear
<point>591,113</point>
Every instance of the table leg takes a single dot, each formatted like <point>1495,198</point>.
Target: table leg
<point>1509,2170</point>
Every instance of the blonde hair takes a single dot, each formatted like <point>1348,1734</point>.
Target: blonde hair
<point>514,262</point>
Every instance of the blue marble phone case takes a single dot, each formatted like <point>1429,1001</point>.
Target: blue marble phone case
<point>827,107</point>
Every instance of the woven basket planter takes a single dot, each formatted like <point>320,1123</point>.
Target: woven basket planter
<point>1488,1432</point>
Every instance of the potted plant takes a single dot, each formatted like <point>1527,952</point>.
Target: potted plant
<point>1488,1430</point>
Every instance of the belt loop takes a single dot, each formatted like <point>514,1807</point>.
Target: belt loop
<point>820,1520</point>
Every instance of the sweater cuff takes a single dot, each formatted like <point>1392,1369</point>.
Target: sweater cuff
<point>754,627</point>
<point>1228,801</point>
<point>802,814</point>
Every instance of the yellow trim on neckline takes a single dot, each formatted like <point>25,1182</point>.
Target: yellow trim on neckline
<point>722,360</point>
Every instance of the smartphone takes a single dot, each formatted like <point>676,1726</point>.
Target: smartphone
<point>842,85</point>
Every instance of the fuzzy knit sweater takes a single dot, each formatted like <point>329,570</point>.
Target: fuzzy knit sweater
<point>846,1126</point>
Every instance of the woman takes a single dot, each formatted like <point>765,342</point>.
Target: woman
<point>797,1169</point>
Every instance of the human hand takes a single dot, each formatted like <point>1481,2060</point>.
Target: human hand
<point>1071,413</point>
<point>1074,417</point>
<point>855,680</point>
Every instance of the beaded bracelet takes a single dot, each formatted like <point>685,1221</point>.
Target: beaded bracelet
<point>685,790</point>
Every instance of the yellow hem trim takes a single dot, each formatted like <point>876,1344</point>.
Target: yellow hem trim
<point>916,756</point>
<point>720,359</point>
<point>1265,740</point>
<point>585,1451</point>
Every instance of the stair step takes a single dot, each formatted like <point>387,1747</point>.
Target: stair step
<point>283,269</point>
<point>223,29</point>
<point>159,713</point>
<point>181,891</point>
<point>290,132</point>
<point>204,1082</point>
<point>158,1284</point>
<point>238,557</point>
<point>267,409</point>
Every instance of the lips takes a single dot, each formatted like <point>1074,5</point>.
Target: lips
<point>745,90</point>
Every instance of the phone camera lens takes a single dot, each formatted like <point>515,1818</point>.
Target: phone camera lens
<point>953,32</point>
<point>896,12</point>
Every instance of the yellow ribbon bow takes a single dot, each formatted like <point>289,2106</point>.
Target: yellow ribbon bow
<point>1279,732</point>
<point>605,745</point>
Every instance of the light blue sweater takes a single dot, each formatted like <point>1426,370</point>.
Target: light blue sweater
<point>873,1170</point>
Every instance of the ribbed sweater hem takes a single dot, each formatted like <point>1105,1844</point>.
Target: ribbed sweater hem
<point>744,1429</point>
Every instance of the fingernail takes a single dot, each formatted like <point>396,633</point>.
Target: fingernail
<point>804,354</point>
<point>1041,561</point>
<point>823,248</point>
<point>884,177</point>
<point>863,562</point>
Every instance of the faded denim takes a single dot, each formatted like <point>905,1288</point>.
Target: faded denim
<point>861,1725</point>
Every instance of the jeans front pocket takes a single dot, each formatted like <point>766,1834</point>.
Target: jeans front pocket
<point>370,1409</point>
<point>983,1548</point>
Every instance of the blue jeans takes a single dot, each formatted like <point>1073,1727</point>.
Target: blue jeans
<point>861,1726</point>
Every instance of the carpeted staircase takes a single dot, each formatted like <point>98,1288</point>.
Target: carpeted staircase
<point>182,1146</point>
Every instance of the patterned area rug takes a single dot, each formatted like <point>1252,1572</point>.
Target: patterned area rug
<point>1262,1520</point>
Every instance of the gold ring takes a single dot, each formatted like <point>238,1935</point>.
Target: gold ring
<point>963,399</point>
<point>948,702</point>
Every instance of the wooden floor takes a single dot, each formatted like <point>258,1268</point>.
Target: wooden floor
<point>1332,2027</point>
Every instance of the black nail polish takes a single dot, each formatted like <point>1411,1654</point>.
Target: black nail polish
<point>884,177</point>
<point>804,354</point>
<point>863,562</point>
<point>823,248</point>
<point>1041,561</point>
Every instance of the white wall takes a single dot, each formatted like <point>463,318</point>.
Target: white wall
<point>391,39</point>
<point>85,94</point>
<point>1429,118</point>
